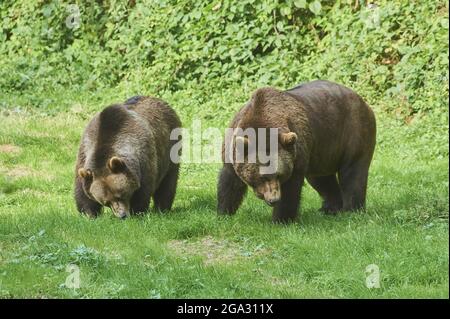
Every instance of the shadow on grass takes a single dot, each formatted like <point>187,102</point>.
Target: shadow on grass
<point>197,202</point>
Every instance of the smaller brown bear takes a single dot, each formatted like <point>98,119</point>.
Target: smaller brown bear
<point>124,159</point>
<point>326,134</point>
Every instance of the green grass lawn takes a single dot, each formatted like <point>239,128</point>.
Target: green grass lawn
<point>191,252</point>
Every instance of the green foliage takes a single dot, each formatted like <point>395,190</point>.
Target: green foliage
<point>395,53</point>
<point>205,58</point>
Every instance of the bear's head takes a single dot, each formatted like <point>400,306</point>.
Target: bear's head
<point>112,186</point>
<point>266,119</point>
<point>265,176</point>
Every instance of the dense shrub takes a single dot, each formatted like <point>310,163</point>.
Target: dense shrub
<point>395,53</point>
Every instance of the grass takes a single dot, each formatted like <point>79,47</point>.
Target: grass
<point>190,252</point>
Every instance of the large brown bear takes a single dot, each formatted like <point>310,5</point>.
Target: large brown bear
<point>326,135</point>
<point>124,159</point>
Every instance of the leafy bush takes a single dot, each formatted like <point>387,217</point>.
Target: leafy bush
<point>394,53</point>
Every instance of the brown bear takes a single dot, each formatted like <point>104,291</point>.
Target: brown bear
<point>326,134</point>
<point>124,159</point>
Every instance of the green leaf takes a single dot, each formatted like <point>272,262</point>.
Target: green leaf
<point>47,11</point>
<point>280,26</point>
<point>286,11</point>
<point>300,4</point>
<point>315,7</point>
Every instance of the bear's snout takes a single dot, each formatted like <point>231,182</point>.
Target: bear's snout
<point>122,215</point>
<point>272,199</point>
<point>271,192</point>
<point>121,210</point>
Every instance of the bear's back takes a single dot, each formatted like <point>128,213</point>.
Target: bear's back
<point>322,94</point>
<point>141,125</point>
<point>155,111</point>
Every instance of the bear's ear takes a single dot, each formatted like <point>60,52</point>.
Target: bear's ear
<point>288,139</point>
<point>84,173</point>
<point>116,164</point>
<point>258,98</point>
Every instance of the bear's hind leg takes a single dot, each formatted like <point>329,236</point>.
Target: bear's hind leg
<point>85,205</point>
<point>286,210</point>
<point>165,194</point>
<point>328,188</point>
<point>353,182</point>
<point>230,191</point>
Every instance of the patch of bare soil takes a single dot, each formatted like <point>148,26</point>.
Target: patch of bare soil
<point>212,251</point>
<point>10,149</point>
<point>20,171</point>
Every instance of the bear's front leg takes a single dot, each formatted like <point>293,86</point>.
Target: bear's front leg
<point>230,191</point>
<point>286,210</point>
<point>140,201</point>
<point>85,205</point>
<point>165,193</point>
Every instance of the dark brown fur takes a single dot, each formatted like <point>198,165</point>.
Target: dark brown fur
<point>123,159</point>
<point>335,140</point>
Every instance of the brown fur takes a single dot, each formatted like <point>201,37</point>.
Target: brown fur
<point>327,135</point>
<point>123,159</point>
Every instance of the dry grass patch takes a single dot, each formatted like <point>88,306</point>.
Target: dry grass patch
<point>9,149</point>
<point>213,251</point>
<point>20,171</point>
<point>34,192</point>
